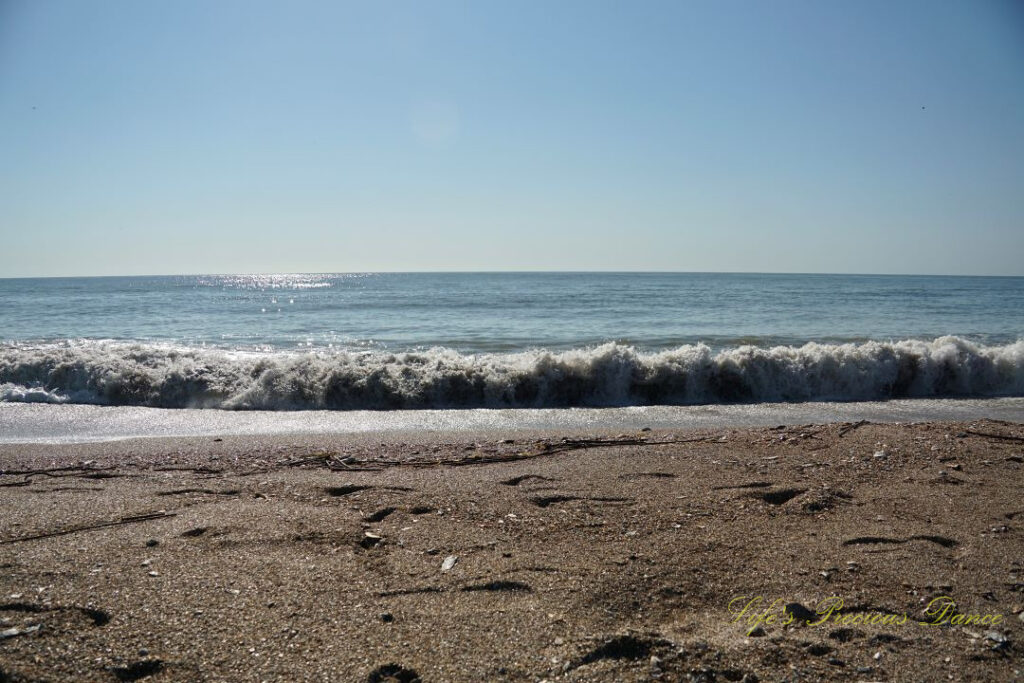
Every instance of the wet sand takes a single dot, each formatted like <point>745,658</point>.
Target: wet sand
<point>613,557</point>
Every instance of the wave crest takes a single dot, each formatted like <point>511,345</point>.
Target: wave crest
<point>112,373</point>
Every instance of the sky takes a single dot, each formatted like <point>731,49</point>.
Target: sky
<point>216,136</point>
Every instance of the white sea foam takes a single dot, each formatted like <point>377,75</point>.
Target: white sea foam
<point>113,373</point>
<point>15,393</point>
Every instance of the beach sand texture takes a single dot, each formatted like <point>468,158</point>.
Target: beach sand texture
<point>606,558</point>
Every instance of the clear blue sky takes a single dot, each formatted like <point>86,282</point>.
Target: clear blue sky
<point>783,136</point>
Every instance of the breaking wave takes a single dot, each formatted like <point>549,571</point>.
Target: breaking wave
<point>114,373</point>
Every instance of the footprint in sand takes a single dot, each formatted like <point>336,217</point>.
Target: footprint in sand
<point>546,501</point>
<point>137,670</point>
<point>379,515</point>
<point>648,475</point>
<point>338,491</point>
<point>875,540</point>
<point>393,673</point>
<point>516,481</point>
<point>499,587</point>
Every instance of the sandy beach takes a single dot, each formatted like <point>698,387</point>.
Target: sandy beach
<point>711,555</point>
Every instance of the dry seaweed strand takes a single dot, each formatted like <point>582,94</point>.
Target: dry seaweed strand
<point>990,435</point>
<point>852,426</point>
<point>332,461</point>
<point>70,471</point>
<point>131,519</point>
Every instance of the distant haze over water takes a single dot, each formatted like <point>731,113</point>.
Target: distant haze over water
<point>444,340</point>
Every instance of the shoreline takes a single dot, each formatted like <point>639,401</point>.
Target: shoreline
<point>612,555</point>
<point>82,423</point>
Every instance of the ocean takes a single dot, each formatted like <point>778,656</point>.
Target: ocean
<point>399,341</point>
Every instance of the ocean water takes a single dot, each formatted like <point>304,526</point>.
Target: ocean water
<point>510,340</point>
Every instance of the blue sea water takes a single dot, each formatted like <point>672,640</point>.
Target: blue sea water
<point>405,340</point>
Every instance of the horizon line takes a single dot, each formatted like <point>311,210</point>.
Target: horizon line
<point>503,272</point>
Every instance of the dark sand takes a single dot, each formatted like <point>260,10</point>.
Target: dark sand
<point>612,559</point>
